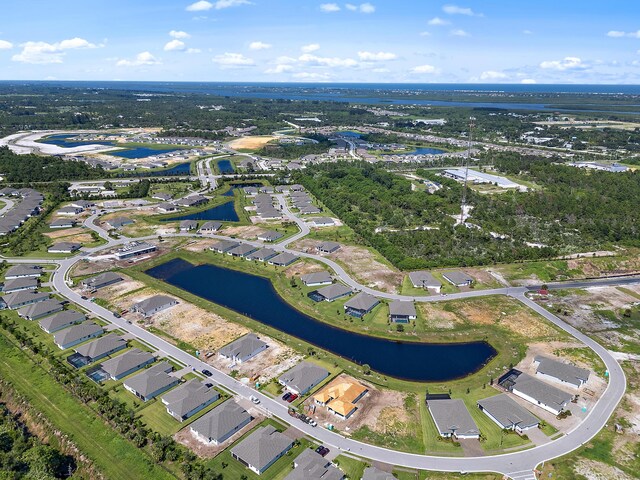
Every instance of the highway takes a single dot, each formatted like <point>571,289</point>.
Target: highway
<point>516,465</point>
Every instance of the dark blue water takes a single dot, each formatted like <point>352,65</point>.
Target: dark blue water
<point>420,362</point>
<point>225,166</point>
<point>425,151</point>
<point>180,169</point>
<point>141,152</point>
<point>225,212</point>
<point>62,140</point>
<point>349,133</point>
<point>356,92</point>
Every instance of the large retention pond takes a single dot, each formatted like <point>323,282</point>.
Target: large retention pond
<point>225,212</point>
<point>255,297</point>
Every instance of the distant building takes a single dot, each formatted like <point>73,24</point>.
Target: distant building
<point>64,247</point>
<point>101,280</point>
<point>135,249</point>
<point>283,259</point>
<point>316,279</point>
<point>457,278</point>
<point>328,247</point>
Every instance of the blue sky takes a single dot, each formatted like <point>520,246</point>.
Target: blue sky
<point>424,41</point>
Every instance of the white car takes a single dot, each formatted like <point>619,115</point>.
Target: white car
<point>254,399</point>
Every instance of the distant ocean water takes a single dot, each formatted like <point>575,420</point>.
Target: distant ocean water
<point>372,93</point>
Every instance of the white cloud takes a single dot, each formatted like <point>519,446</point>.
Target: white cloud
<point>376,56</point>
<point>259,46</point>
<point>143,58</point>
<point>568,63</point>
<point>425,34</point>
<point>44,53</point>
<point>285,59</point>
<point>179,34</point>
<point>232,60</point>
<point>311,76</point>
<point>203,5</point>
<point>329,7</point>
<point>314,60</point>
<point>367,8</point>
<point>619,34</point>
<point>425,69</point>
<point>492,75</point>
<point>455,10</point>
<point>174,46</point>
<point>280,68</point>
<point>458,32</point>
<point>312,47</point>
<point>438,22</point>
<point>528,81</point>
<point>4,45</point>
<point>193,50</point>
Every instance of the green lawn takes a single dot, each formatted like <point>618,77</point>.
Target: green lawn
<point>352,467</point>
<point>114,456</point>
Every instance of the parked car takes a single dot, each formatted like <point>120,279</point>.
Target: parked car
<point>323,451</point>
<point>286,396</point>
<point>208,385</point>
<point>292,398</point>
<point>254,399</point>
<point>116,314</point>
<point>207,373</point>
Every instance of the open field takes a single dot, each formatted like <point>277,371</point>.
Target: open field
<point>255,142</point>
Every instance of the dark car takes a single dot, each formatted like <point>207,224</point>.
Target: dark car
<point>286,396</point>
<point>324,451</point>
<point>116,314</point>
<point>207,373</point>
<point>292,398</point>
<point>208,385</point>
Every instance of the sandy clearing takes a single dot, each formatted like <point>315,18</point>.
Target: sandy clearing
<point>302,268</point>
<point>247,232</point>
<point>254,142</point>
<point>65,232</point>
<point>436,317</point>
<point>592,470</point>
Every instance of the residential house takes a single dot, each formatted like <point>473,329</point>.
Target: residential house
<point>153,305</point>
<point>188,225</point>
<point>457,278</point>
<point>424,279</point>
<point>452,419</point>
<point>242,250</point>
<point>166,207</point>
<point>507,413</point>
<point>72,336</point>
<point>223,246</point>
<point>20,284</point>
<point>63,223</point>
<point>309,210</point>
<point>102,280</point>
<point>162,196</point>
<point>119,222</point>
<point>101,347</point>
<point>40,309</point>
<point>188,399</point>
<point>360,305</point>
<point>316,278</point>
<point>283,259</point>
<point>262,448</point>
<point>328,247</point>
<point>192,201</point>
<point>219,424</point>
<point>135,249</point>
<point>210,227</point>
<point>83,204</point>
<point>303,377</point>
<point>310,465</point>
<point>16,300</point>
<point>129,362</point>
<point>322,222</point>
<point>243,348</point>
<point>340,396</point>
<point>402,311</point>
<point>559,372</point>
<point>332,292</point>
<point>539,393</point>
<point>151,382</point>
<point>21,271</point>
<point>64,247</point>
<point>262,255</point>
<point>270,236</point>
<point>61,320</point>
<point>72,211</point>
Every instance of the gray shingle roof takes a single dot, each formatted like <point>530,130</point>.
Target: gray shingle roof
<point>373,473</point>
<point>152,303</point>
<point>328,246</point>
<point>101,346</point>
<point>211,226</point>
<point>152,379</point>
<point>283,259</point>
<point>261,447</point>
<point>64,247</point>
<point>262,254</point>
<point>23,270</point>
<point>334,291</point>
<point>401,308</point>
<point>119,222</point>
<point>508,412</point>
<point>362,301</point>
<point>14,299</point>
<point>541,391</point>
<point>424,279</point>
<point>313,466</point>
<point>18,283</point>
<point>61,319</point>
<point>457,277</point>
<point>565,372</point>
<point>123,363</point>
<point>221,421</point>
<point>270,236</point>
<point>242,250</point>
<point>76,332</point>
<point>452,417</point>
<point>102,279</point>
<point>37,310</point>
<point>316,278</point>
<point>304,376</point>
<point>224,245</point>
<point>184,399</point>
<point>242,347</point>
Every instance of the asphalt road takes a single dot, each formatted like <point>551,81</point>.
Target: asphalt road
<point>517,465</point>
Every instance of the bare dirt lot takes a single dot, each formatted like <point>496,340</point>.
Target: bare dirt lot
<point>65,232</point>
<point>248,232</point>
<point>85,267</point>
<point>255,142</point>
<point>362,265</point>
<point>302,268</point>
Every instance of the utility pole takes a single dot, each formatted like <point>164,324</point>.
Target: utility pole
<point>472,124</point>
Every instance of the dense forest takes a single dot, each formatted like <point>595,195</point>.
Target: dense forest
<point>35,168</point>
<point>22,455</point>
<point>576,210</point>
<point>289,151</point>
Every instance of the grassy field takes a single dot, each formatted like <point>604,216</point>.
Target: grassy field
<point>111,454</point>
<point>352,467</point>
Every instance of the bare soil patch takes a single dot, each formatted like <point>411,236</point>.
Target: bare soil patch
<point>248,232</point>
<point>302,268</point>
<point>254,142</point>
<point>85,267</point>
<point>436,317</point>
<point>65,232</point>
<point>592,470</point>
